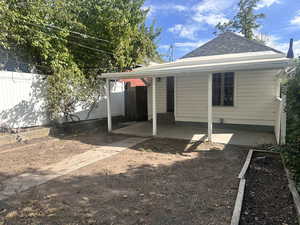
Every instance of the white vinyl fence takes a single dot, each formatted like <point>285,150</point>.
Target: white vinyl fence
<point>22,101</point>
<point>100,111</point>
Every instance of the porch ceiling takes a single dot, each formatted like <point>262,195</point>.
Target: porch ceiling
<point>235,136</point>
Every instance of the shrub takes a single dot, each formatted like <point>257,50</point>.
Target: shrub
<point>291,151</point>
<point>292,88</point>
<point>291,155</point>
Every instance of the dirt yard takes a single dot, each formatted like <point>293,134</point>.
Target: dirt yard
<point>32,155</point>
<point>158,182</point>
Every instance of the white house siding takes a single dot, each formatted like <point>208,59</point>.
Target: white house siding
<point>255,93</point>
<point>161,97</point>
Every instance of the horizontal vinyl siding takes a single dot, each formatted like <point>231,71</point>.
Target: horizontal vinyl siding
<point>254,99</point>
<point>161,97</point>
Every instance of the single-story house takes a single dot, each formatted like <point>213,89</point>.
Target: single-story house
<point>230,80</point>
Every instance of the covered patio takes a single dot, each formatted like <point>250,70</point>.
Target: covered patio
<point>205,67</point>
<point>236,135</point>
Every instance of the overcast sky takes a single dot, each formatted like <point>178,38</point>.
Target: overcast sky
<point>189,23</point>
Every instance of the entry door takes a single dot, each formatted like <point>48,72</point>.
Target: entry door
<point>170,94</point>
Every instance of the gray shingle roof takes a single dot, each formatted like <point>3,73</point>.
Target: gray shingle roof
<point>228,43</point>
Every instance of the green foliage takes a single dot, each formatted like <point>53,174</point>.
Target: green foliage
<point>75,41</point>
<point>245,21</point>
<point>291,151</point>
<point>291,155</point>
<point>293,106</point>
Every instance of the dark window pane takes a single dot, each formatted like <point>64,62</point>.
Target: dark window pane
<point>223,89</point>
<point>228,89</point>
<point>228,96</point>
<point>216,89</point>
<point>228,79</point>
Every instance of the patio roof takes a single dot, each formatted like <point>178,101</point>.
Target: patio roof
<point>217,63</point>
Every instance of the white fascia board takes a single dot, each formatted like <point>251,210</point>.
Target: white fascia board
<point>216,59</point>
<point>264,54</point>
<point>219,67</point>
<point>222,64</point>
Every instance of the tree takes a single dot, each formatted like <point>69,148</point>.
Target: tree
<point>245,21</point>
<point>73,42</point>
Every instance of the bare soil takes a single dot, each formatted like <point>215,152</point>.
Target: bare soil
<point>32,155</point>
<point>267,197</point>
<point>158,182</point>
<point>7,131</point>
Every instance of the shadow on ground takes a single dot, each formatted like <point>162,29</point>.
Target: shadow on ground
<point>159,182</point>
<point>92,132</point>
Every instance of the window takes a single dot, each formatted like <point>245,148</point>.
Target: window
<point>223,89</point>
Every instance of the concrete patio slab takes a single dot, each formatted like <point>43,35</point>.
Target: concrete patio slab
<point>28,180</point>
<point>236,136</point>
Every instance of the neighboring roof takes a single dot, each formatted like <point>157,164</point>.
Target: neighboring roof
<point>134,82</point>
<point>202,65</point>
<point>229,43</point>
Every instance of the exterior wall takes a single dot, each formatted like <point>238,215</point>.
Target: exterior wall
<point>161,97</point>
<point>22,101</point>
<point>255,93</point>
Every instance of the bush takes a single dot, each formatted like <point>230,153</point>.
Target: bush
<point>291,151</point>
<point>291,155</point>
<point>292,88</point>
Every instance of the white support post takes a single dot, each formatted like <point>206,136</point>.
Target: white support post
<point>278,119</point>
<point>154,113</point>
<point>283,121</point>
<point>278,87</point>
<point>209,100</point>
<point>108,97</point>
<point>175,97</point>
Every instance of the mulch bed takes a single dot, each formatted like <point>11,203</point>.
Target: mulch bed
<point>267,198</point>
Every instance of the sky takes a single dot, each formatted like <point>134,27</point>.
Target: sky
<point>187,24</point>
